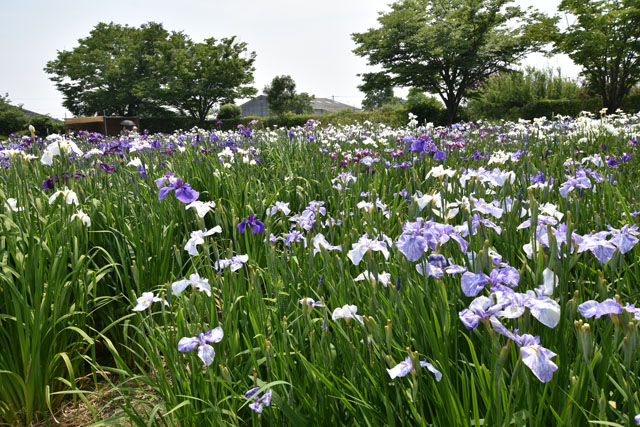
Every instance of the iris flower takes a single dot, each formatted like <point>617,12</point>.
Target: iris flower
<point>13,205</point>
<point>194,280</point>
<point>347,312</point>
<point>197,238</point>
<point>184,192</point>
<point>257,226</point>
<point>311,303</point>
<point>202,208</point>
<point>382,277</point>
<point>260,402</point>
<point>279,206</point>
<point>364,245</point>
<point>69,196</point>
<point>320,242</point>
<point>146,300</point>
<point>86,220</point>
<point>403,368</point>
<point>534,356</point>
<point>234,263</point>
<point>206,353</point>
<point>598,309</point>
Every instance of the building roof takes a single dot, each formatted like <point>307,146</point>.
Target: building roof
<point>330,105</point>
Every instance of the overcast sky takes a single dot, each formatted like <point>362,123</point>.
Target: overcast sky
<point>308,40</point>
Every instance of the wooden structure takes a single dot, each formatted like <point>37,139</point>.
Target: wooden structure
<point>106,125</point>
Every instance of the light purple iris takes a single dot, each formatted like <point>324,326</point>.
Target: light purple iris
<point>205,352</point>
<point>480,309</point>
<point>260,402</point>
<point>625,238</point>
<point>534,356</point>
<point>598,309</point>
<point>580,181</point>
<point>598,244</point>
<point>473,283</point>
<point>419,235</point>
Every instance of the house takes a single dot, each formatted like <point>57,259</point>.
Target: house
<point>260,107</point>
<point>106,125</point>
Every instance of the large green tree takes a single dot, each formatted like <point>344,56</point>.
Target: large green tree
<point>143,71</point>
<point>111,71</point>
<point>605,40</point>
<point>197,76</point>
<point>447,47</point>
<point>282,97</point>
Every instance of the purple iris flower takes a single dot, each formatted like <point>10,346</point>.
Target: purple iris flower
<point>47,184</point>
<point>439,156</point>
<point>257,226</point>
<point>259,401</point>
<point>184,192</point>
<point>205,351</point>
<point>107,168</point>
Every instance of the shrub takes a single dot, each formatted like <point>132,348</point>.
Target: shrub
<point>229,111</point>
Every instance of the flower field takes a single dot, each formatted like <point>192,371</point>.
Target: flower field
<point>356,275</point>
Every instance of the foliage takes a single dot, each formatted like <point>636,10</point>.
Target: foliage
<point>425,108</point>
<point>123,70</point>
<point>230,111</point>
<point>12,118</point>
<point>45,125</point>
<point>112,71</point>
<point>197,76</point>
<point>282,97</point>
<point>506,94</point>
<point>392,117</point>
<point>448,47</point>
<point>605,41</point>
<point>378,91</point>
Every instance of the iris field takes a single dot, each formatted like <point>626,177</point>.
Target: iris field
<point>357,275</point>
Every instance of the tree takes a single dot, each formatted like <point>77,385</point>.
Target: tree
<point>378,91</point>
<point>282,97</point>
<point>111,71</point>
<point>605,41</point>
<point>12,118</point>
<point>200,75</point>
<point>143,71</point>
<point>447,47</point>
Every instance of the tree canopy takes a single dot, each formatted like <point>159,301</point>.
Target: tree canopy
<point>198,76</point>
<point>605,40</point>
<point>282,97</point>
<point>447,47</point>
<point>139,71</point>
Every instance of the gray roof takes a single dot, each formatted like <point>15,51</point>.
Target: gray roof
<point>258,106</point>
<point>330,105</point>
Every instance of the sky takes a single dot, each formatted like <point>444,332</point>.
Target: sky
<point>308,40</point>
